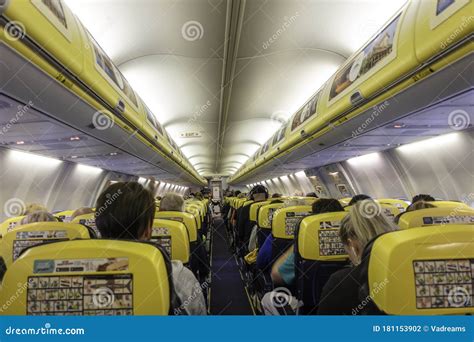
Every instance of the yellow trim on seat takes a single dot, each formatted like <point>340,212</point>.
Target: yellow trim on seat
<point>285,221</point>
<point>437,217</point>
<point>318,237</point>
<point>173,237</point>
<point>186,218</point>
<point>412,271</point>
<point>254,208</point>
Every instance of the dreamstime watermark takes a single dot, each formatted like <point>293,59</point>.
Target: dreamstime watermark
<point>21,110</point>
<point>14,30</point>
<point>457,32</point>
<point>108,202</point>
<point>14,297</point>
<point>288,21</point>
<point>102,121</point>
<point>192,30</point>
<point>459,297</point>
<point>280,297</point>
<point>103,297</point>
<point>377,110</point>
<point>369,208</point>
<point>14,207</point>
<point>377,287</point>
<point>459,119</point>
<point>198,113</point>
<point>46,330</point>
<point>197,291</point>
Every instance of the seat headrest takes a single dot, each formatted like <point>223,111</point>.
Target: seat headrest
<point>186,218</point>
<point>10,224</point>
<point>254,208</point>
<point>197,215</point>
<point>265,215</point>
<point>89,221</point>
<point>65,215</point>
<point>286,221</point>
<point>400,204</point>
<point>387,209</point>
<point>318,237</point>
<point>173,237</point>
<point>436,216</point>
<point>423,271</point>
<point>24,236</point>
<point>89,277</point>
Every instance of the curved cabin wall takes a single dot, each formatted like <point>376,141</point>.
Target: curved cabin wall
<point>422,167</point>
<point>416,34</point>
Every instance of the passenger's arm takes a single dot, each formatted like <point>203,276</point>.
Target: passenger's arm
<point>276,275</point>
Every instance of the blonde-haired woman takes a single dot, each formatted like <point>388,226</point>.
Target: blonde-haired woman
<point>340,295</point>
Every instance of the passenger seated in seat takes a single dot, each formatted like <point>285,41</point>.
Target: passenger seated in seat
<point>258,193</point>
<point>175,202</point>
<point>125,211</point>
<point>38,216</point>
<point>283,270</point>
<point>358,198</point>
<point>276,195</point>
<point>340,295</point>
<point>32,207</point>
<point>422,197</point>
<point>414,206</point>
<point>81,211</point>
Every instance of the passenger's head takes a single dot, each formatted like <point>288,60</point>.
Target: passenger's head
<point>276,195</point>
<point>237,192</point>
<point>259,193</point>
<point>420,205</point>
<point>311,194</point>
<point>364,222</point>
<point>358,198</point>
<point>422,197</point>
<point>38,216</point>
<point>125,210</point>
<point>198,196</point>
<point>33,207</point>
<point>172,202</point>
<point>81,211</point>
<point>326,205</point>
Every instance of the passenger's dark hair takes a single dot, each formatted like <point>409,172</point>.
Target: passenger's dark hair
<point>258,189</point>
<point>125,210</point>
<point>326,205</point>
<point>358,198</point>
<point>276,195</point>
<point>422,197</point>
<point>237,192</point>
<point>311,194</point>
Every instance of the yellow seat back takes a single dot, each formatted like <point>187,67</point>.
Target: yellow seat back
<point>65,215</point>
<point>387,209</point>
<point>286,220</point>
<point>32,234</point>
<point>10,224</point>
<point>186,218</point>
<point>88,277</point>
<point>398,203</point>
<point>423,271</point>
<point>436,216</point>
<point>449,204</point>
<point>318,237</point>
<point>195,212</point>
<point>87,220</point>
<point>246,202</point>
<point>196,205</point>
<point>173,237</point>
<point>265,215</point>
<point>254,208</point>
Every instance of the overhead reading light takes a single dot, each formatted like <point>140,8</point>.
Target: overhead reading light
<point>335,173</point>
<point>399,125</point>
<point>113,153</point>
<point>74,138</point>
<point>21,142</point>
<point>73,157</point>
<point>429,144</point>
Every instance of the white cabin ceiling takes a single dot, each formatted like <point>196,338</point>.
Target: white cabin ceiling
<point>226,77</point>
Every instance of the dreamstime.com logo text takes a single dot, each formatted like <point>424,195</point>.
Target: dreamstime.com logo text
<point>46,330</point>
